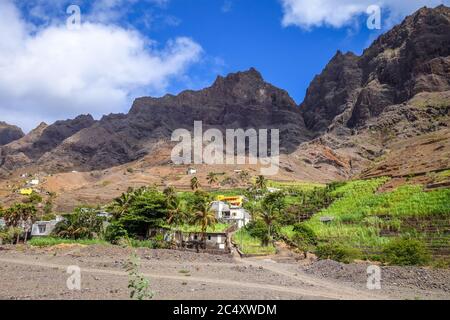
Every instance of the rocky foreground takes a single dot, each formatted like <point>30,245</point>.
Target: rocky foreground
<point>40,273</point>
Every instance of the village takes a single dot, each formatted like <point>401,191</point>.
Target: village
<point>256,234</point>
<point>229,215</point>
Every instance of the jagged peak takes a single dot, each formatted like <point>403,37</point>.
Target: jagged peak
<point>249,75</point>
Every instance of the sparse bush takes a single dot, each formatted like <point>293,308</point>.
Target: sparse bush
<point>114,232</point>
<point>35,198</point>
<point>406,252</point>
<point>258,229</point>
<point>139,285</point>
<point>337,252</point>
<point>6,236</point>
<point>48,217</point>
<point>304,234</point>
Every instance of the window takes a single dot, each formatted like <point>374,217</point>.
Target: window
<point>195,237</point>
<point>42,228</point>
<point>209,237</point>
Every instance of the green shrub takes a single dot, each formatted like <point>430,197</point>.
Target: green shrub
<point>150,244</point>
<point>35,198</point>
<point>406,252</point>
<point>258,229</point>
<point>51,241</point>
<point>304,234</point>
<point>83,223</point>
<point>337,252</point>
<point>114,232</point>
<point>48,217</point>
<point>6,235</point>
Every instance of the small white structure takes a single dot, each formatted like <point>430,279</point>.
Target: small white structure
<point>191,171</point>
<point>34,182</point>
<point>212,240</point>
<point>2,223</point>
<point>273,190</point>
<point>44,228</point>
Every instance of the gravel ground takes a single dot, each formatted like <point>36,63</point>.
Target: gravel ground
<point>40,273</point>
<point>425,282</point>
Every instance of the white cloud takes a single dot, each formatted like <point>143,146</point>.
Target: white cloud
<point>338,13</point>
<point>56,73</point>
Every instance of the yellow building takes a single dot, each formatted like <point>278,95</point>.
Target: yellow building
<point>26,191</point>
<point>236,201</point>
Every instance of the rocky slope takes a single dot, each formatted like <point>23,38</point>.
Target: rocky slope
<point>241,100</point>
<point>413,57</point>
<point>362,107</point>
<point>354,113</point>
<point>9,133</point>
<point>31,147</point>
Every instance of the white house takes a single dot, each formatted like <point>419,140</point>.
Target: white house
<point>231,214</point>
<point>44,228</point>
<point>220,208</point>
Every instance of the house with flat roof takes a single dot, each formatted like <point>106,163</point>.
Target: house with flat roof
<point>231,214</point>
<point>44,228</point>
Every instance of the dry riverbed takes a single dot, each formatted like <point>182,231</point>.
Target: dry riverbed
<point>41,273</point>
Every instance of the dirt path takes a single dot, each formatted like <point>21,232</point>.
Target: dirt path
<point>322,291</point>
<point>40,273</point>
<point>320,286</point>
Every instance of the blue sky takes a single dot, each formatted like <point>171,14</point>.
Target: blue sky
<point>250,34</point>
<point>125,49</point>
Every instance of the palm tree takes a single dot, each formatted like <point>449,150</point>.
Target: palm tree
<point>269,215</point>
<point>176,213</point>
<point>212,178</point>
<point>204,216</point>
<point>121,204</point>
<point>261,182</point>
<point>195,184</point>
<point>20,214</point>
<point>170,192</point>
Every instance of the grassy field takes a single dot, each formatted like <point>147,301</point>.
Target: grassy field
<point>219,227</point>
<point>249,245</point>
<point>361,214</point>
<point>298,185</point>
<point>49,241</point>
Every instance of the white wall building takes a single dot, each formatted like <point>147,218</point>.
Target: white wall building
<point>44,228</point>
<point>231,214</point>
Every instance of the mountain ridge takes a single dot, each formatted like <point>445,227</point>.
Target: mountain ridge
<point>340,126</point>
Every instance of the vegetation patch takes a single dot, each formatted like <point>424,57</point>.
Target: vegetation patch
<point>337,252</point>
<point>252,245</point>
<point>406,252</point>
<point>50,241</point>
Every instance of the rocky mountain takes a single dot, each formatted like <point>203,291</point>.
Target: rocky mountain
<point>411,58</point>
<point>399,88</point>
<point>354,112</point>
<point>31,147</point>
<point>240,100</point>
<point>9,133</point>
